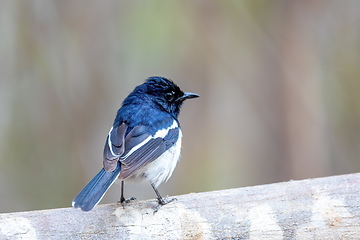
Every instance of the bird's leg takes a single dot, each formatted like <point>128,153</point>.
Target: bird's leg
<point>162,201</point>
<point>123,201</point>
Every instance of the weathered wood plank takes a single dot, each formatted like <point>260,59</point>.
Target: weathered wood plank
<point>323,208</point>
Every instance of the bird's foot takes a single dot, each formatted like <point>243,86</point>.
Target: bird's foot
<point>124,201</point>
<point>163,201</point>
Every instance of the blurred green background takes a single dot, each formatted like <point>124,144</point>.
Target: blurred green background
<point>279,85</point>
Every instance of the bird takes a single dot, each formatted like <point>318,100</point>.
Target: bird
<point>143,143</point>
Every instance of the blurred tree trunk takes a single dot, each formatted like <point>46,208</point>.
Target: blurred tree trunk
<point>303,104</point>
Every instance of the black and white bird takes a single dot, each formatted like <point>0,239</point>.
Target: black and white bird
<point>143,143</point>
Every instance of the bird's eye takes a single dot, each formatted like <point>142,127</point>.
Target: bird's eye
<point>170,96</point>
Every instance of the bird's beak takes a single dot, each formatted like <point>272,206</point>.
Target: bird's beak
<point>187,95</point>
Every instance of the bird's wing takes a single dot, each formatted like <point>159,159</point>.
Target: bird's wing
<point>142,148</point>
<point>114,147</point>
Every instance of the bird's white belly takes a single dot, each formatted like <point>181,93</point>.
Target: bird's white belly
<point>160,170</point>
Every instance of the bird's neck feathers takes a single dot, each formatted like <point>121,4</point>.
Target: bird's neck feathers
<point>137,96</point>
<point>140,97</point>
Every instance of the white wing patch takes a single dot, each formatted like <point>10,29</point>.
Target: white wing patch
<point>161,133</point>
<point>110,144</point>
<point>161,169</point>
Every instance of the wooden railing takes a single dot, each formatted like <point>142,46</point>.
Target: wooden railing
<point>322,208</point>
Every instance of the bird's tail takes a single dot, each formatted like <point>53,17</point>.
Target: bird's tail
<point>92,193</point>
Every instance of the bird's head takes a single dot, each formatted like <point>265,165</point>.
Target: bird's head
<point>167,94</point>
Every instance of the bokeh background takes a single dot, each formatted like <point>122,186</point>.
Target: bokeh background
<point>279,85</point>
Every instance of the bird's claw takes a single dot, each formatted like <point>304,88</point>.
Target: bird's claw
<point>124,201</point>
<point>163,201</point>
